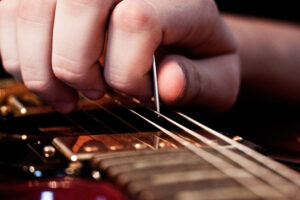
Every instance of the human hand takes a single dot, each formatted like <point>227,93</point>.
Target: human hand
<point>54,47</point>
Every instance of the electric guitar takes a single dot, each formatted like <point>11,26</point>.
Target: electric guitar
<point>120,148</point>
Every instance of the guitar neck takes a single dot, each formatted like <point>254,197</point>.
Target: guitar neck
<point>148,155</point>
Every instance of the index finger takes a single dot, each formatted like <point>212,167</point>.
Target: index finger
<point>138,28</point>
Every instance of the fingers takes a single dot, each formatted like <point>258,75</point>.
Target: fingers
<point>212,83</point>
<point>58,43</point>
<point>137,28</point>
<point>78,43</point>
<point>8,37</point>
<point>34,36</point>
<point>132,39</point>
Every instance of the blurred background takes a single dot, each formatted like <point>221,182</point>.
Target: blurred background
<point>281,10</point>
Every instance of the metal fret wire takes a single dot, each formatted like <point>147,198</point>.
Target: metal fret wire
<point>284,171</point>
<point>233,156</point>
<point>249,165</point>
<point>275,166</point>
<point>263,190</point>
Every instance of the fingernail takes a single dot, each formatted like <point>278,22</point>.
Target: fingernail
<point>92,94</point>
<point>64,107</point>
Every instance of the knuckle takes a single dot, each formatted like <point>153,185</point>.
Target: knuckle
<point>210,6</point>
<point>118,82</point>
<point>8,8</point>
<point>209,13</point>
<point>36,86</point>
<point>133,15</point>
<point>102,3</point>
<point>36,10</point>
<point>68,76</point>
<point>11,66</point>
<point>66,69</point>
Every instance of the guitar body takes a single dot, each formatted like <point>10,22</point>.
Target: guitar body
<point>58,189</point>
<point>119,148</point>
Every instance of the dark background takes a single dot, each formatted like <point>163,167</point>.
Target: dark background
<point>279,10</point>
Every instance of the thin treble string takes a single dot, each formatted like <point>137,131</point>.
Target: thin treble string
<point>76,124</point>
<point>113,114</point>
<point>254,168</point>
<point>257,170</point>
<point>219,163</point>
<point>98,121</point>
<point>122,120</point>
<point>275,166</point>
<point>264,191</point>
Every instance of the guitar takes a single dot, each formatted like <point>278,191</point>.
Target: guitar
<point>120,148</point>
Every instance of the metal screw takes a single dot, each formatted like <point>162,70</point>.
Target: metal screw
<point>238,138</point>
<point>49,151</point>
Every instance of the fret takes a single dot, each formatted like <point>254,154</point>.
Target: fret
<point>152,158</point>
<point>273,179</point>
<point>170,191</point>
<point>218,163</point>
<point>115,170</point>
<point>281,184</point>
<point>215,194</point>
<point>153,155</point>
<point>162,173</point>
<point>99,157</point>
<point>288,173</point>
<point>125,177</point>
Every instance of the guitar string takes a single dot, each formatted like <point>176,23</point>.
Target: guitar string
<point>290,175</point>
<point>220,164</point>
<point>110,128</point>
<point>118,118</point>
<point>257,170</point>
<point>266,175</point>
<point>114,131</point>
<point>98,121</point>
<point>238,158</point>
<point>275,166</point>
<point>124,121</point>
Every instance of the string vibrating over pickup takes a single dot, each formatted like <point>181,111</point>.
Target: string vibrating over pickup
<point>121,140</point>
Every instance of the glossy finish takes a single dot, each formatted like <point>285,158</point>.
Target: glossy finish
<point>59,189</point>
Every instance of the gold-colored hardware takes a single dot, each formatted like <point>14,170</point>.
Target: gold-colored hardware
<point>5,110</point>
<point>73,168</point>
<point>96,175</point>
<point>24,137</point>
<point>49,151</point>
<point>16,105</point>
<point>31,169</point>
<point>238,138</point>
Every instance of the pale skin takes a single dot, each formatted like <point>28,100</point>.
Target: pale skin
<point>54,47</point>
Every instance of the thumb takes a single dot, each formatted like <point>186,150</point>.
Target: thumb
<point>212,83</point>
